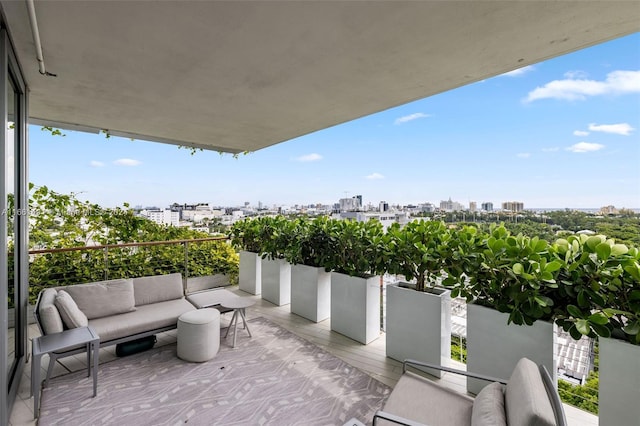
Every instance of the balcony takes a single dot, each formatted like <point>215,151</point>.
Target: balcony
<point>370,358</point>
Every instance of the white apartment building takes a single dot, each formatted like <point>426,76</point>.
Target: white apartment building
<point>162,217</point>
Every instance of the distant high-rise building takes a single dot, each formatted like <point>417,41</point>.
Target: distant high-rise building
<point>473,206</point>
<point>513,206</point>
<point>384,206</point>
<point>451,206</point>
<point>351,204</point>
<point>487,206</point>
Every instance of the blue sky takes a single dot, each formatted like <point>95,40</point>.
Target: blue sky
<point>561,133</point>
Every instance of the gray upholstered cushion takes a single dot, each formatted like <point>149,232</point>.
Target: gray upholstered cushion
<point>103,298</point>
<point>207,298</point>
<point>421,400</point>
<point>488,407</point>
<point>526,400</point>
<point>72,316</point>
<point>50,319</point>
<point>159,288</point>
<point>144,318</point>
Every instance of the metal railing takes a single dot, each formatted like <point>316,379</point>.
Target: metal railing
<point>74,265</point>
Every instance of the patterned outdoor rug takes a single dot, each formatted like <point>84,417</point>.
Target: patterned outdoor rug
<point>273,378</point>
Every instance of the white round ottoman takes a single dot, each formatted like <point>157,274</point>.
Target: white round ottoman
<point>199,335</point>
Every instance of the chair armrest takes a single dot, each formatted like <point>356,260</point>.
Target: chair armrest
<point>394,418</point>
<point>414,363</point>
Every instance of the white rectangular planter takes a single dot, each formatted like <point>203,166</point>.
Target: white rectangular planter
<point>619,382</point>
<point>494,347</point>
<point>310,292</point>
<point>355,307</point>
<point>419,325</point>
<point>249,276</point>
<point>276,281</point>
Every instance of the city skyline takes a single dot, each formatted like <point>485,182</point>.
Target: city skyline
<point>559,134</point>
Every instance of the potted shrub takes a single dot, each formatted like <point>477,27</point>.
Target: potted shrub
<point>245,237</point>
<point>418,320</point>
<point>355,279</point>
<point>600,297</point>
<point>308,252</point>
<point>276,271</point>
<point>508,282</point>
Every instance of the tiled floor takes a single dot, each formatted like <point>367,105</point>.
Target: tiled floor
<point>369,358</point>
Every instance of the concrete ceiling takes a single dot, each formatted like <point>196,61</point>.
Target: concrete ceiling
<point>240,76</point>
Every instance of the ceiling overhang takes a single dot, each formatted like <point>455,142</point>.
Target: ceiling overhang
<point>240,76</point>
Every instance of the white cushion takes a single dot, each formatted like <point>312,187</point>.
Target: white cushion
<point>103,298</point>
<point>157,288</point>
<point>48,314</point>
<point>71,315</point>
<point>526,399</point>
<point>488,407</point>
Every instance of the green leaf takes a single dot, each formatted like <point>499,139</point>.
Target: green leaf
<point>601,330</point>
<point>598,318</point>
<point>518,269</point>
<point>603,250</point>
<point>544,301</point>
<point>573,331</point>
<point>583,327</point>
<point>593,242</point>
<point>553,266</point>
<point>574,311</point>
<point>633,328</point>
<point>619,249</point>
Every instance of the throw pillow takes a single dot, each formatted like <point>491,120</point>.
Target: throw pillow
<point>488,407</point>
<point>48,314</point>
<point>71,315</point>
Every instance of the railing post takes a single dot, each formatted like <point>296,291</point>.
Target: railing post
<point>186,260</point>
<point>106,263</point>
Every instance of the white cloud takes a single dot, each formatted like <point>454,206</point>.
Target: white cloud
<point>411,117</point>
<point>585,147</point>
<point>619,129</point>
<point>127,162</point>
<point>374,176</point>
<point>523,155</point>
<point>580,75</point>
<point>95,163</point>
<point>309,157</point>
<point>552,149</point>
<point>580,133</point>
<point>519,71</point>
<point>571,89</point>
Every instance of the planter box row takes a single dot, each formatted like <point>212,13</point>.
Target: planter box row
<point>352,303</point>
<point>419,327</point>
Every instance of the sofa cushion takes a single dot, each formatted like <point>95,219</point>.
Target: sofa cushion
<point>48,314</point>
<point>145,318</point>
<point>424,401</point>
<point>488,407</point>
<point>158,288</point>
<point>526,400</point>
<point>103,298</point>
<point>71,315</point>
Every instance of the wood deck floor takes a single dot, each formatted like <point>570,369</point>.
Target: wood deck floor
<point>369,358</point>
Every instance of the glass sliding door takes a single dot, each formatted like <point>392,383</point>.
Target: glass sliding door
<point>13,226</point>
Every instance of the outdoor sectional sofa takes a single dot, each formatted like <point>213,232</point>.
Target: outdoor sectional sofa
<point>118,310</point>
